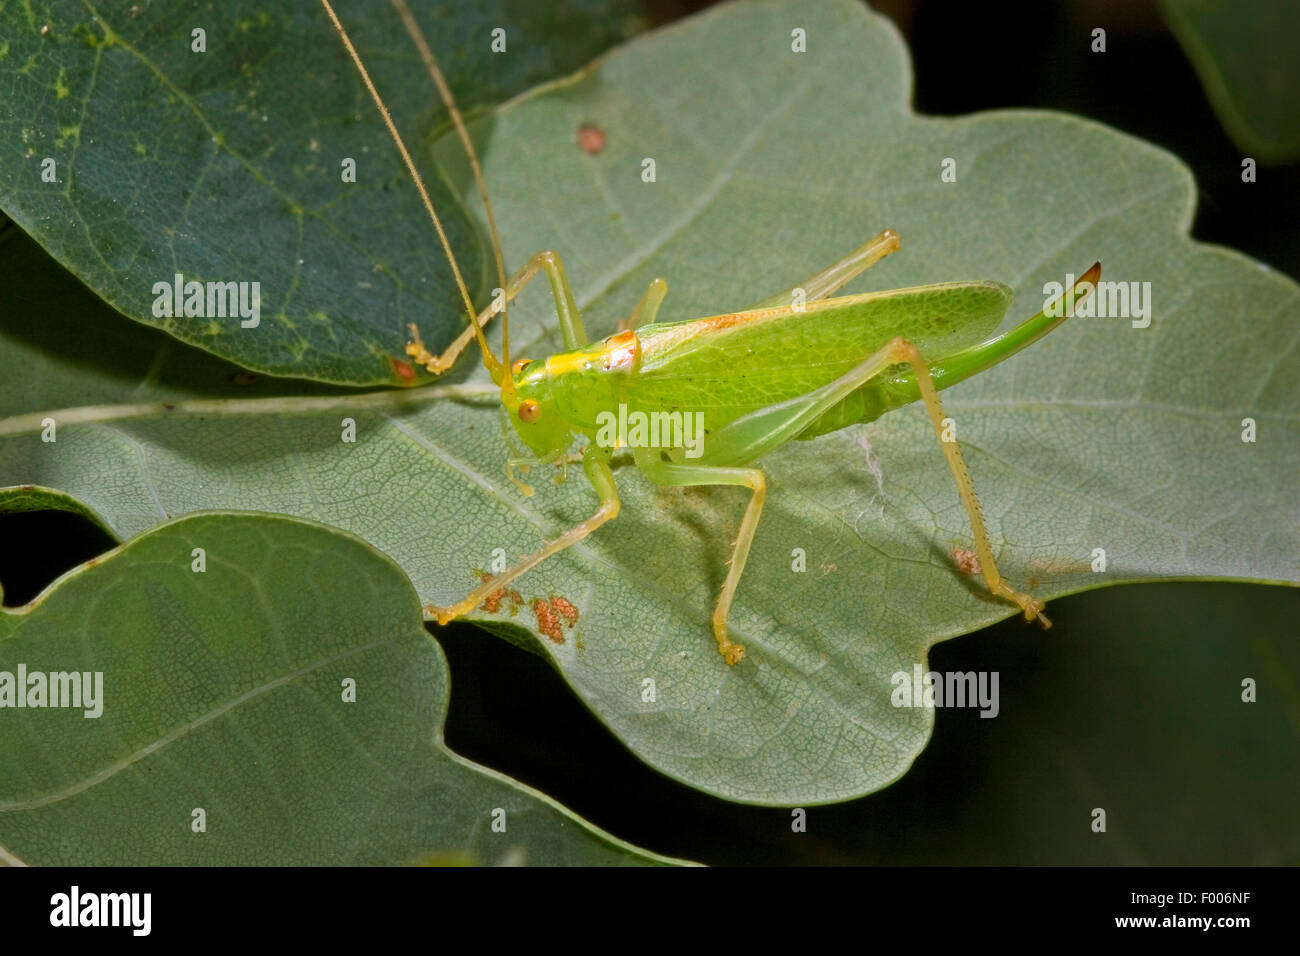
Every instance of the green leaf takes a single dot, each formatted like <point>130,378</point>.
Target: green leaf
<point>226,690</point>
<point>1245,55</point>
<point>226,165</point>
<point>1103,435</point>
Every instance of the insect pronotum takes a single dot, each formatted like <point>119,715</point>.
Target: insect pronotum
<point>858,357</point>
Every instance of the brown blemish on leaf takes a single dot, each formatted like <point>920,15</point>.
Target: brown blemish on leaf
<point>403,370</point>
<point>566,610</point>
<point>554,615</point>
<point>548,621</point>
<point>245,378</point>
<point>591,139</point>
<point>492,604</point>
<point>968,562</point>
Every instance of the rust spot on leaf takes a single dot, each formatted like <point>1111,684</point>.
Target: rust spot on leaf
<point>565,610</point>
<point>492,604</point>
<point>548,621</point>
<point>591,139</point>
<point>403,370</point>
<point>553,615</point>
<point>968,562</point>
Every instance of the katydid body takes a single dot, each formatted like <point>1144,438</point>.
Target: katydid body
<point>727,367</point>
<point>793,367</point>
<point>756,380</point>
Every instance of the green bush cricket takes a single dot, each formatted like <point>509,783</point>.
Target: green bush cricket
<point>794,366</point>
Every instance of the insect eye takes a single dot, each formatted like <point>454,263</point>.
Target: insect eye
<point>529,410</point>
<point>520,365</point>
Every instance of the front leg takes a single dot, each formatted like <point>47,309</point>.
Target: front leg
<point>566,309</point>
<point>596,464</point>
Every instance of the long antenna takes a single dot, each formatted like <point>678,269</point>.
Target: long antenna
<point>430,64</point>
<point>493,366</point>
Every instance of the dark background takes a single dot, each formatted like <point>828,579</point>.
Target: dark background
<point>1130,703</point>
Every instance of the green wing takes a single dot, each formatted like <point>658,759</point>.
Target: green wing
<point>728,365</point>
